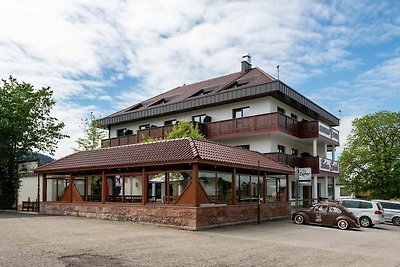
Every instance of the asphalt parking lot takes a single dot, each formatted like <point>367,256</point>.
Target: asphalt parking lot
<point>32,240</point>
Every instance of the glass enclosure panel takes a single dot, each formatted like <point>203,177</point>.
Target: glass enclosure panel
<point>208,181</point>
<point>161,192</point>
<point>94,188</point>
<point>156,188</point>
<point>178,181</point>
<point>282,191</point>
<point>270,194</point>
<point>133,189</point>
<point>80,185</point>
<point>243,188</point>
<point>224,188</point>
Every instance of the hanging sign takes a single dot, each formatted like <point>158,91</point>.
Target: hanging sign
<point>304,175</point>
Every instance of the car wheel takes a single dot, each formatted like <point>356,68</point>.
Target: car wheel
<point>343,224</point>
<point>396,221</point>
<point>365,222</point>
<point>299,219</point>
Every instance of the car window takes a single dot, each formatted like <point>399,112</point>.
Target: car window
<point>385,205</point>
<point>365,205</point>
<point>321,208</point>
<point>334,210</point>
<point>379,206</point>
<point>351,204</point>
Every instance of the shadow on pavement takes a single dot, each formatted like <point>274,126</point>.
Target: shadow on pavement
<point>10,214</point>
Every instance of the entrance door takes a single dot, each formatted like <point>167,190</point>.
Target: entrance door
<point>306,196</point>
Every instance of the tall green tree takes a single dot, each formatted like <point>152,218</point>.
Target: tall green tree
<point>25,125</point>
<point>370,162</point>
<point>92,135</point>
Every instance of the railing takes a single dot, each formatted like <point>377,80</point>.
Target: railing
<point>247,125</point>
<point>317,164</point>
<point>253,123</point>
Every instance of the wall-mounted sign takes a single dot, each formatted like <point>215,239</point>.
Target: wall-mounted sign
<point>328,165</point>
<point>304,174</point>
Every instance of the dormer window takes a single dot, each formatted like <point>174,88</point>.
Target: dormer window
<point>158,102</point>
<point>138,106</point>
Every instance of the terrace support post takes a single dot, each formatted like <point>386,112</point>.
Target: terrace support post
<point>103,187</point>
<point>167,185</point>
<point>57,182</point>
<point>287,188</point>
<point>44,193</point>
<point>195,181</point>
<point>264,187</point>
<point>86,188</point>
<point>71,184</point>
<point>123,188</point>
<point>145,185</point>
<point>38,193</point>
<point>277,183</point>
<point>233,186</point>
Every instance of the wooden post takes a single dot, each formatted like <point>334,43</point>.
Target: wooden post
<point>57,182</point>
<point>44,197</point>
<point>103,188</point>
<point>144,186</point>
<point>123,188</point>
<point>233,186</point>
<point>278,198</point>
<point>287,188</point>
<point>167,184</point>
<point>264,186</point>
<point>86,188</point>
<point>71,184</point>
<point>195,181</point>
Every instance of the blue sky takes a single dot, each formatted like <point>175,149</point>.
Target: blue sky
<point>101,56</point>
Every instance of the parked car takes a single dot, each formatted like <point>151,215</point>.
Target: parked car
<point>392,211</point>
<point>368,213</point>
<point>327,213</point>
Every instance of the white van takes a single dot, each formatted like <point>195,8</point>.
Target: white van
<point>368,213</point>
<point>392,211</point>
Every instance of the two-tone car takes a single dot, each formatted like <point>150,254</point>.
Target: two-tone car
<point>327,213</point>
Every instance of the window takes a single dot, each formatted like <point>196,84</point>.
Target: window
<point>240,112</point>
<point>365,205</point>
<point>334,210</point>
<point>203,118</point>
<point>281,149</point>
<point>295,152</point>
<point>281,110</point>
<point>121,132</point>
<point>351,204</point>
<point>343,192</point>
<point>293,116</point>
<point>171,122</point>
<point>244,146</point>
<point>144,126</point>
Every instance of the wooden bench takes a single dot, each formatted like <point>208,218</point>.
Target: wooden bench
<point>29,206</point>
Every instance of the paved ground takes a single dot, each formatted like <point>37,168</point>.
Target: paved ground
<point>32,240</point>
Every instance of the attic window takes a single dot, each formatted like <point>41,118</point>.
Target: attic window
<point>135,107</point>
<point>159,102</point>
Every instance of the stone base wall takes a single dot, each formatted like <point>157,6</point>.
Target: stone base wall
<point>190,218</point>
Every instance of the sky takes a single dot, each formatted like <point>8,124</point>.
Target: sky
<point>103,56</point>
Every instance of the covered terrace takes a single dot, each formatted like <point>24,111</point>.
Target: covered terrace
<point>169,182</point>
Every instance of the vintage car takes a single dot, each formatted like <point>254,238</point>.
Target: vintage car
<point>327,213</point>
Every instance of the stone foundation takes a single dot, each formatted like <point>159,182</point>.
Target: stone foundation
<point>190,218</point>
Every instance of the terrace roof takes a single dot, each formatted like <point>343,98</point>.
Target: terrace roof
<point>165,152</point>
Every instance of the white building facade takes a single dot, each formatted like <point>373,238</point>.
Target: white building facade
<point>249,109</point>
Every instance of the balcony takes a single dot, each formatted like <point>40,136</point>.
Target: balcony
<point>252,125</point>
<point>318,165</point>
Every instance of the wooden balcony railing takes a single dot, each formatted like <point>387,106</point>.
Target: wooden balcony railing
<point>303,162</point>
<point>248,125</point>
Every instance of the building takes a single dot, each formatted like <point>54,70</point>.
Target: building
<point>248,109</point>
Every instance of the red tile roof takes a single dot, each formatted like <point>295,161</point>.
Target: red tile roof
<point>254,76</point>
<point>164,152</point>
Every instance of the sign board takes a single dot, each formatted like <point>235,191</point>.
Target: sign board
<point>328,165</point>
<point>304,175</point>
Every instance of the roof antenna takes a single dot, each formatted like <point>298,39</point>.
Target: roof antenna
<point>277,67</point>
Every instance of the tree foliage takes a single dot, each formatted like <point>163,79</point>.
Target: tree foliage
<point>92,135</point>
<point>370,162</point>
<point>180,130</point>
<point>25,125</point>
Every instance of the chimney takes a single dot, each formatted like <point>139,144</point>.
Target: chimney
<point>246,63</point>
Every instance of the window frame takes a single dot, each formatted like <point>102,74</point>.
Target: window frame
<point>241,110</point>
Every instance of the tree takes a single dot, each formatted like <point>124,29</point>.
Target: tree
<point>25,125</point>
<point>180,130</point>
<point>370,162</point>
<point>92,135</point>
